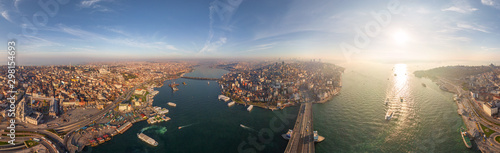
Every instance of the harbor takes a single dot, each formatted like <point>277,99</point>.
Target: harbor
<point>202,114</point>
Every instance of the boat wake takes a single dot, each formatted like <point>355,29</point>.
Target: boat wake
<point>249,128</point>
<point>159,130</point>
<point>180,127</point>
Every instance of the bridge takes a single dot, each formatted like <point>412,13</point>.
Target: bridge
<point>302,139</point>
<point>199,78</point>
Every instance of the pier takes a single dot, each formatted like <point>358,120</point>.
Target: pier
<point>199,78</point>
<point>302,139</point>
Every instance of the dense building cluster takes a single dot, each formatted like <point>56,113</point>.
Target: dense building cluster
<point>51,88</point>
<point>485,88</point>
<point>280,84</point>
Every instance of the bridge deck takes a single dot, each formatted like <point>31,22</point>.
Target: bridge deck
<point>302,139</point>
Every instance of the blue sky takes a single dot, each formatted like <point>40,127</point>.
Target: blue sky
<point>111,29</point>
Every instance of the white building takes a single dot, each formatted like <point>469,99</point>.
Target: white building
<point>490,109</point>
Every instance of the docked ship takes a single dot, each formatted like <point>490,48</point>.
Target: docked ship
<point>158,119</point>
<point>250,108</point>
<point>288,135</point>
<point>388,116</point>
<point>224,98</point>
<point>160,110</point>
<point>318,138</point>
<point>147,139</point>
<point>174,86</point>
<point>466,138</point>
<point>124,127</point>
<point>171,104</point>
<point>231,104</point>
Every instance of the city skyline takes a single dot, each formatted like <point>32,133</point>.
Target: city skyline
<point>99,30</point>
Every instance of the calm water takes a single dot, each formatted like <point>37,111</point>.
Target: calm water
<point>426,121</point>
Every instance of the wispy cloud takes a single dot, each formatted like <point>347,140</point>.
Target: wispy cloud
<point>130,41</point>
<point>493,3</point>
<point>94,4</point>
<point>224,10</point>
<point>460,6</point>
<point>474,27</point>
<point>7,17</point>
<point>261,47</point>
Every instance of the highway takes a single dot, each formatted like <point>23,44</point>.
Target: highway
<point>302,139</point>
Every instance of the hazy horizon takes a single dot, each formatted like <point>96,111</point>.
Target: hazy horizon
<point>383,31</point>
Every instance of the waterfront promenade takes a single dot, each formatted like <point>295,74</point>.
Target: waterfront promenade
<point>302,140</point>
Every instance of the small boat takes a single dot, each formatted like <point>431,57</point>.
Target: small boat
<point>250,108</point>
<point>465,138</point>
<point>388,116</point>
<point>184,83</point>
<point>386,101</point>
<point>171,104</point>
<point>288,135</point>
<point>423,84</point>
<point>318,138</point>
<point>401,98</point>
<point>208,82</point>
<point>180,127</point>
<point>231,104</point>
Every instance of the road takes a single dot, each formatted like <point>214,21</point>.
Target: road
<point>474,116</point>
<point>302,139</point>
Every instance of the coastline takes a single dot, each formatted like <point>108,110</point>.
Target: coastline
<point>149,106</point>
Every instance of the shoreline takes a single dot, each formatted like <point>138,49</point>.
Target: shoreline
<point>149,106</point>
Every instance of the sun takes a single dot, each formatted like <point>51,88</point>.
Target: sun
<point>400,37</point>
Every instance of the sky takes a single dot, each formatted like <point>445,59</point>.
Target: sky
<point>63,31</point>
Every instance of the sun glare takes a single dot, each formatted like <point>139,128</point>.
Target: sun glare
<point>400,37</point>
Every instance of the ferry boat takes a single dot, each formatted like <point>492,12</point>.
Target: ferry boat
<point>388,116</point>
<point>288,135</point>
<point>224,98</point>
<point>171,104</point>
<point>147,139</point>
<point>174,88</point>
<point>124,127</point>
<point>318,138</point>
<point>250,108</point>
<point>231,104</point>
<point>466,138</point>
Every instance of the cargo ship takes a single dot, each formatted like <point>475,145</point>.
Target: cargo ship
<point>147,139</point>
<point>250,108</point>
<point>466,138</point>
